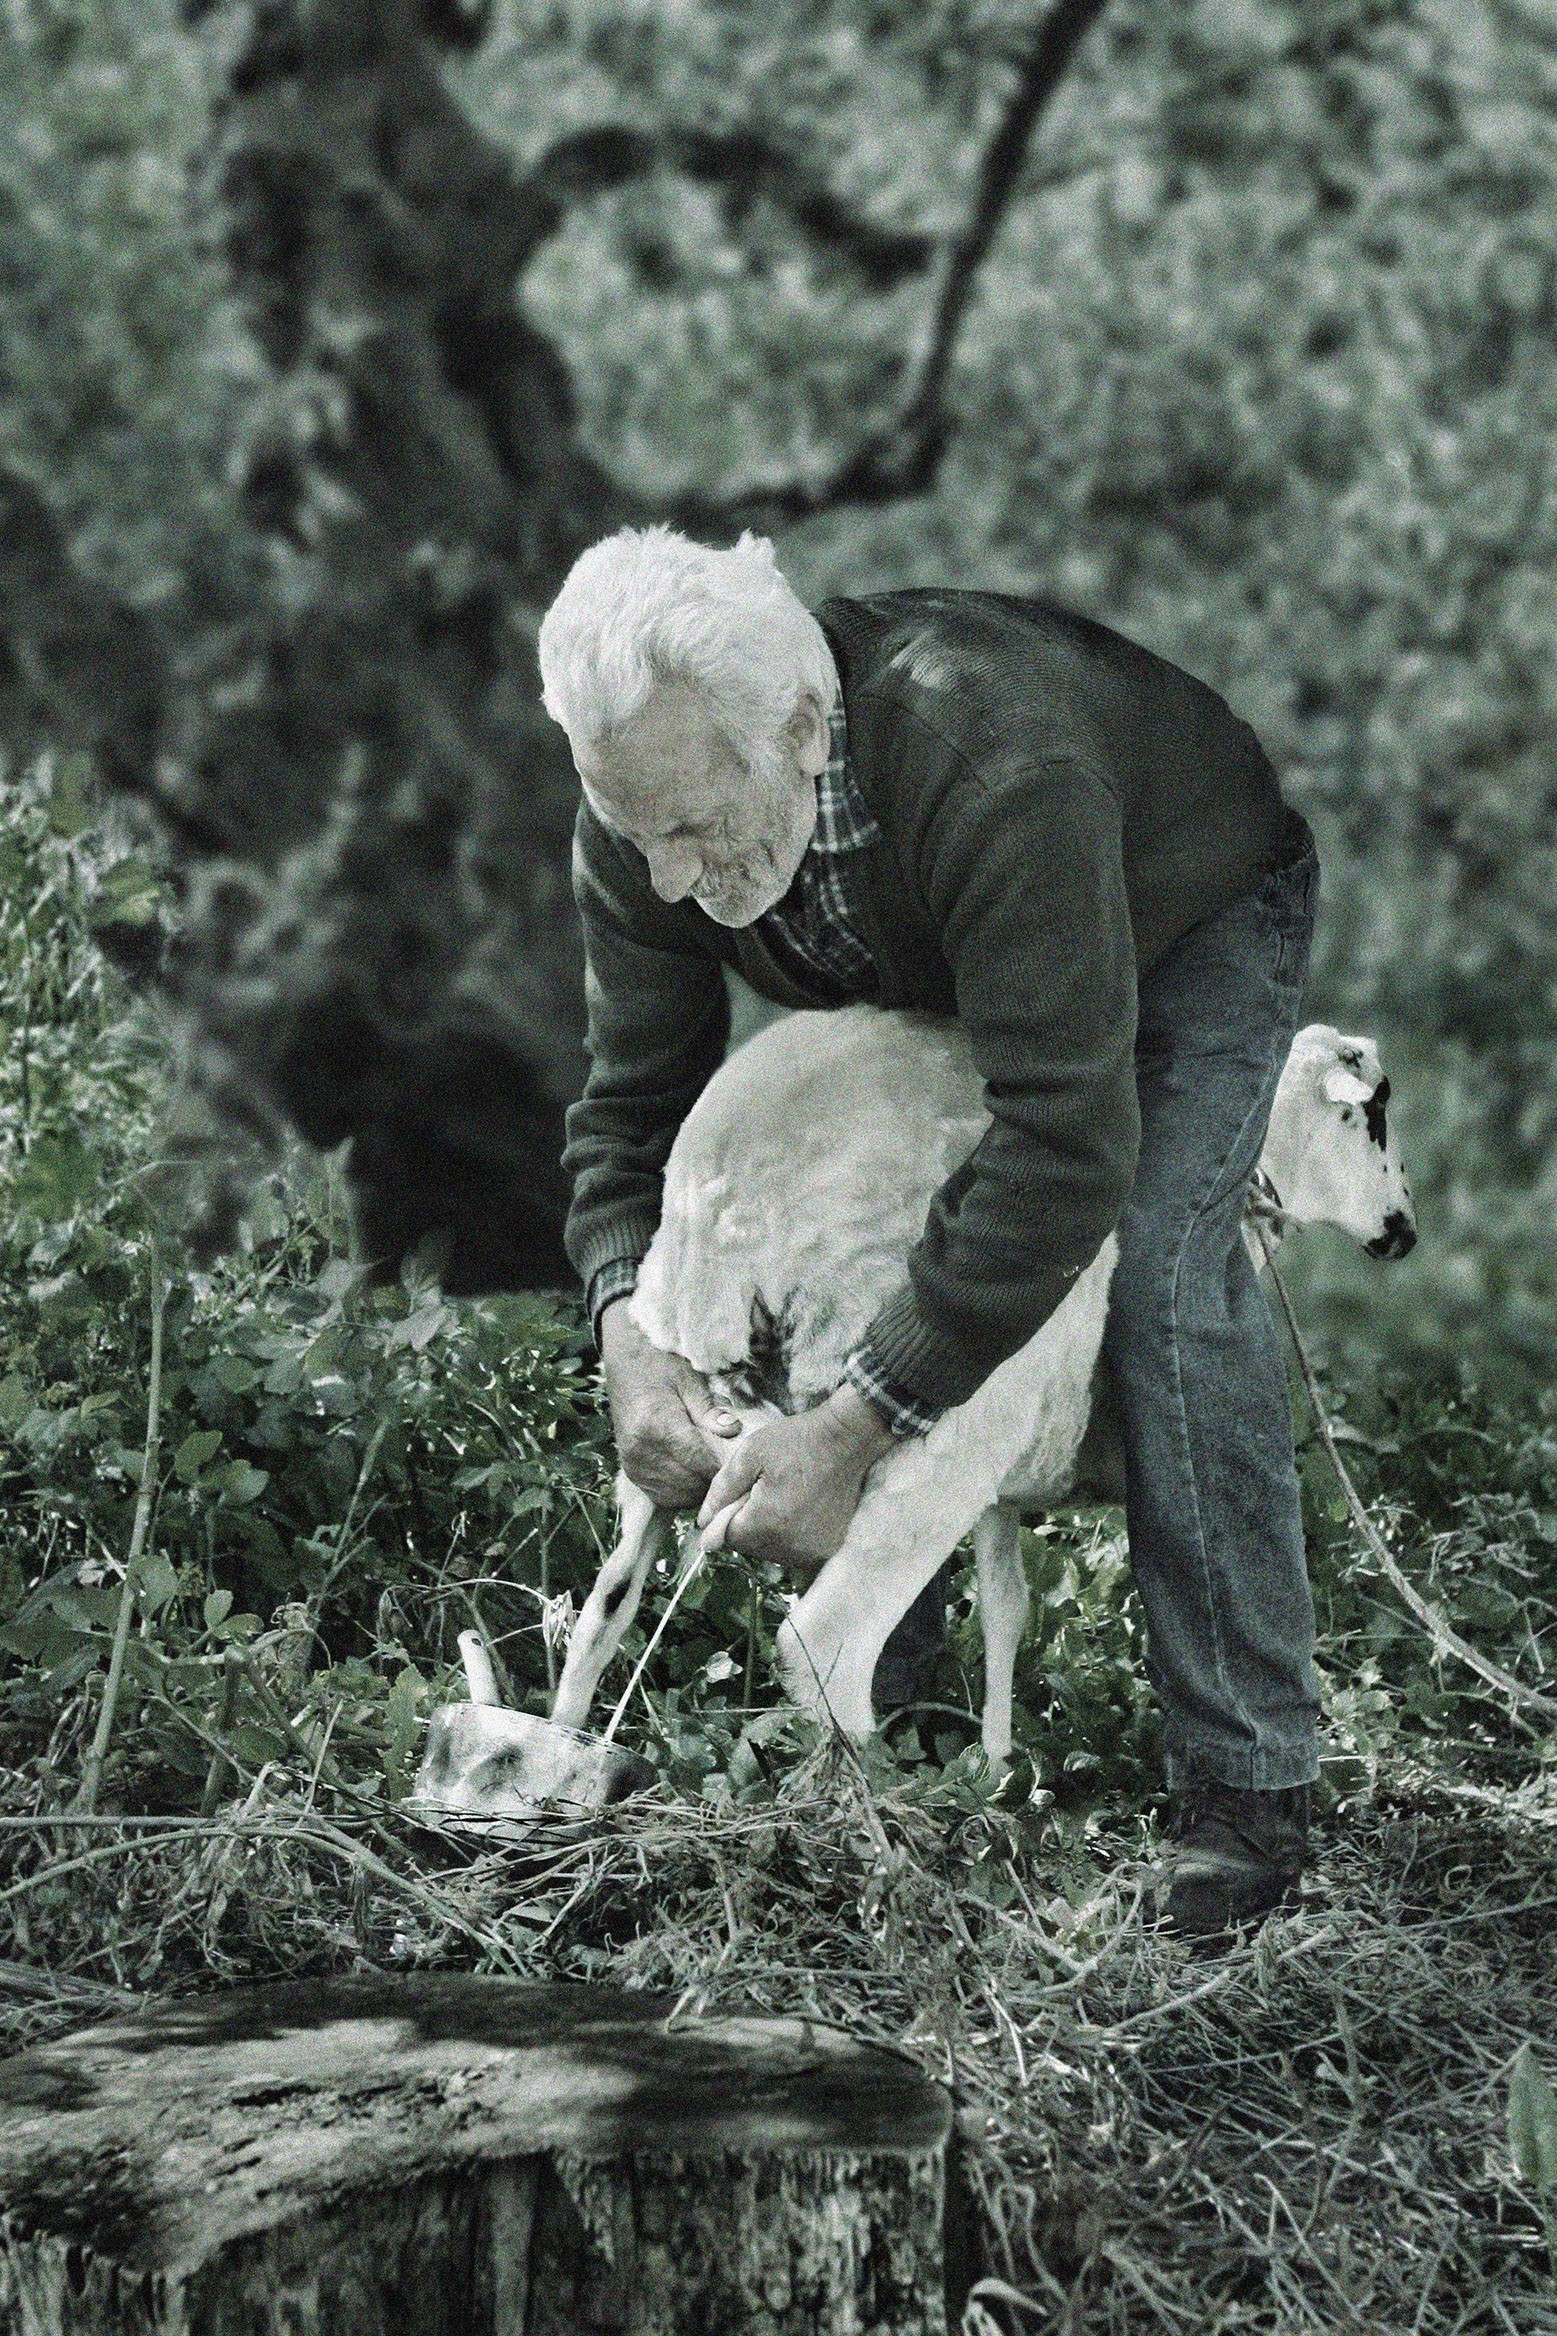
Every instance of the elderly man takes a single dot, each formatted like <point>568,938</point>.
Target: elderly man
<point>987,807</point>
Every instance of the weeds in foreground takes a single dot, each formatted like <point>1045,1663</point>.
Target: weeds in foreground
<point>1311,2132</point>
<point>1308,2131</point>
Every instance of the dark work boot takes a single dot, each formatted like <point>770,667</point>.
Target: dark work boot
<point>1237,1856</point>
<point>905,1668</point>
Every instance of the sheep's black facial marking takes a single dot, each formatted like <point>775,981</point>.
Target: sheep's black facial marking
<point>1373,1111</point>
<point>1398,1238</point>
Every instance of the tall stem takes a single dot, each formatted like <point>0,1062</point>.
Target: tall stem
<point>92,1767</point>
<point>753,1614</point>
<point>1445,1639</point>
<point>546,1638</point>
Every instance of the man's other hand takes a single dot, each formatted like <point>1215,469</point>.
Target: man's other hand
<point>797,1482</point>
<point>670,1431</point>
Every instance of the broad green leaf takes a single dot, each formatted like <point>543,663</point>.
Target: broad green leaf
<point>256,1741</point>
<point>217,1608</point>
<point>87,1606</point>
<point>337,1395</point>
<point>321,1352</point>
<point>159,1584</point>
<point>193,1453</point>
<point>41,1638</point>
<point>57,1175</point>
<point>241,1482</point>
<point>418,1329</point>
<point>129,892</point>
<point>1485,1605</point>
<point>71,1671</point>
<point>70,797</point>
<point>400,1711</point>
<point>1532,2121</point>
<point>472,1479</point>
<point>285,1375</point>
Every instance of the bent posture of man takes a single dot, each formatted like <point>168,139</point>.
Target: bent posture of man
<point>987,807</point>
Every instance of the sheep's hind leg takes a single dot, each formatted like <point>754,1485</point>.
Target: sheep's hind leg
<point>611,1604</point>
<point>1003,1604</point>
<point>917,1507</point>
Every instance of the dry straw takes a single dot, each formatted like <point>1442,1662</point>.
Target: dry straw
<point>1306,2132</point>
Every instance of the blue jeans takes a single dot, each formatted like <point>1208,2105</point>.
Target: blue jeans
<point>1196,1359</point>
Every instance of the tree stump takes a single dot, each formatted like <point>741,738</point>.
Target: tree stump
<point>447,2156</point>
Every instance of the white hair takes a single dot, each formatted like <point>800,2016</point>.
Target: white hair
<point>648,606</point>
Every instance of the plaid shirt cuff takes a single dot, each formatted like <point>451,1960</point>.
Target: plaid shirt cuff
<point>903,1415</point>
<point>618,1278</point>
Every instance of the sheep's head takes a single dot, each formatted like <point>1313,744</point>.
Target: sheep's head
<point>1330,1153</point>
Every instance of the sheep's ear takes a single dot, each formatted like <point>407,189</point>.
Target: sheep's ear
<point>1341,1087</point>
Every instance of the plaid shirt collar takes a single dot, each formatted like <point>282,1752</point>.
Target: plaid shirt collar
<point>814,931</point>
<point>843,818</point>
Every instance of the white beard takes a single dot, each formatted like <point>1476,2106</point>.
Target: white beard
<point>746,886</point>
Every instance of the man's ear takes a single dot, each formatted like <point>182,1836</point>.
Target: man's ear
<point>808,728</point>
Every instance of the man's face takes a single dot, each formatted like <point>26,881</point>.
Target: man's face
<point>709,826</point>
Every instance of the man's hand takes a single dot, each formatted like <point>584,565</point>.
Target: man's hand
<point>669,1429</point>
<point>798,1481</point>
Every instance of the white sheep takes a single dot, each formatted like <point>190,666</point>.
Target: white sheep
<point>794,1191</point>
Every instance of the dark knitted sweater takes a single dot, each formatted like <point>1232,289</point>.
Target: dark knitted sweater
<point>1057,807</point>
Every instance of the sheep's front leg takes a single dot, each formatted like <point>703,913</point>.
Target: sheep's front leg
<point>611,1604</point>
<point>918,1503</point>
<point>1003,1604</point>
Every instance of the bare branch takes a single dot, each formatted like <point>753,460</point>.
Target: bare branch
<point>903,458</point>
<point>1065,28</point>
<point>746,163</point>
<point>749,166</point>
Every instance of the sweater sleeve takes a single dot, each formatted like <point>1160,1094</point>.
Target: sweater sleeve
<point>658,1022</point>
<point>1024,877</point>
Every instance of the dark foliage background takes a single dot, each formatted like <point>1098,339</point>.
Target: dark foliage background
<point>330,333</point>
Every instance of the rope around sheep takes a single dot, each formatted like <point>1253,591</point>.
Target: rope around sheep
<point>1446,1639</point>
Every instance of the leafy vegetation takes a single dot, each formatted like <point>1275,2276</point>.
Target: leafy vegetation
<point>1258,369</point>
<point>351,1475</point>
<point>348,1477</point>
<point>126,368</point>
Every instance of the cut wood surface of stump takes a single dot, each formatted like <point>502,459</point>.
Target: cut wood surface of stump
<point>448,2156</point>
